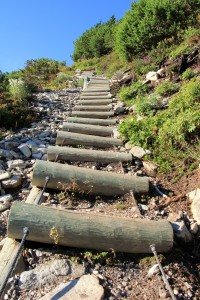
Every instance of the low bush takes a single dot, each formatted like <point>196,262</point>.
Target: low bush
<point>168,133</point>
<point>15,116</point>
<point>128,94</point>
<point>166,88</point>
<point>19,90</point>
<point>188,74</point>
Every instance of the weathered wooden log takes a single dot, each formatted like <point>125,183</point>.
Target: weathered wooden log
<point>93,114</point>
<point>88,129</point>
<point>84,93</point>
<point>86,180</point>
<point>97,85</point>
<point>98,81</point>
<point>93,107</point>
<point>11,246</point>
<point>96,97</point>
<point>97,89</point>
<point>95,102</point>
<point>76,154</point>
<point>84,230</point>
<point>71,138</point>
<point>102,122</point>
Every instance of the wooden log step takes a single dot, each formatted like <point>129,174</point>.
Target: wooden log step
<point>88,129</point>
<point>98,84</point>
<point>97,89</point>
<point>71,138</point>
<point>93,107</point>
<point>102,122</point>
<point>86,180</point>
<point>96,97</point>
<point>83,93</point>
<point>76,154</point>
<point>92,114</point>
<point>95,102</point>
<point>90,231</point>
<point>98,81</point>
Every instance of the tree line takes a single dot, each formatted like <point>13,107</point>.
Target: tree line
<point>146,24</point>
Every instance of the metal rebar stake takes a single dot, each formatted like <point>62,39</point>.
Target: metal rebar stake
<point>25,234</point>
<point>47,178</point>
<point>153,249</point>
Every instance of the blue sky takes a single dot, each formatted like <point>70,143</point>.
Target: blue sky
<point>31,29</point>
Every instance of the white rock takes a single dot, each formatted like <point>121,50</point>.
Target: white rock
<point>137,151</point>
<point>194,228</point>
<point>11,183</point>
<point>6,198</point>
<point>12,164</point>
<point>153,270</point>
<point>31,143</point>
<point>128,146</point>
<point>195,206</point>
<point>143,207</point>
<point>118,109</point>
<point>87,287</point>
<point>194,195</point>
<point>4,175</point>
<point>116,134</point>
<point>43,150</point>
<point>5,202</point>
<point>152,75</point>
<point>44,274</point>
<point>25,150</point>
<point>181,231</point>
<point>150,168</point>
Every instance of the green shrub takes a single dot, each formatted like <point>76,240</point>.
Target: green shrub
<point>128,94</point>
<point>166,88</point>
<point>188,74</point>
<point>4,82</point>
<point>169,133</point>
<point>19,90</point>
<point>148,22</point>
<point>190,42</point>
<point>146,105</point>
<point>14,116</point>
<point>62,77</point>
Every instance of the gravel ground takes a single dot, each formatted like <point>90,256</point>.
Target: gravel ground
<point>123,276</point>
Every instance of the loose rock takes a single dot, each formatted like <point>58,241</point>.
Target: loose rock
<point>13,182</point>
<point>181,231</point>
<point>25,150</point>
<point>44,274</point>
<point>87,287</point>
